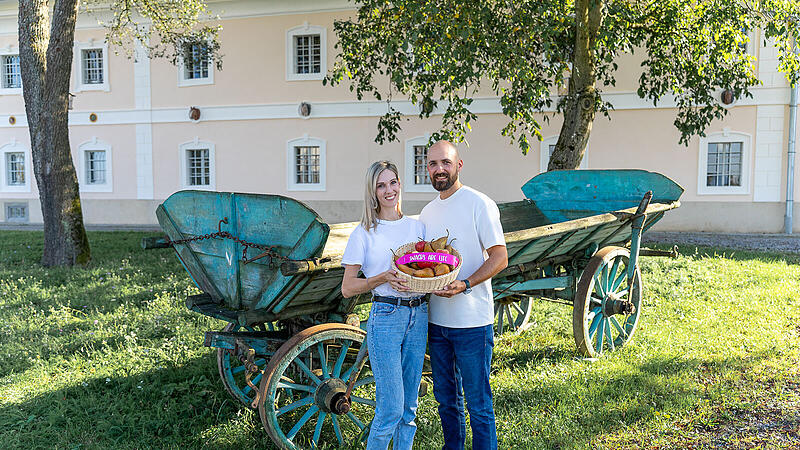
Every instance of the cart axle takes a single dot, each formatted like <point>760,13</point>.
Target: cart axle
<point>614,306</point>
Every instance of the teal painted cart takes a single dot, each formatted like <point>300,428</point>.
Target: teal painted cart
<point>293,349</point>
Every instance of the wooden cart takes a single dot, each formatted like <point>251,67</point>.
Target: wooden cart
<point>270,267</point>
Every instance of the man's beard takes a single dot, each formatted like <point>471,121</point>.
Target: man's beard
<point>443,185</point>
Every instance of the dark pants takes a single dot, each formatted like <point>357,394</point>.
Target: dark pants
<point>461,360</point>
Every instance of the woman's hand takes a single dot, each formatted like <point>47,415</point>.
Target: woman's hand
<point>397,283</point>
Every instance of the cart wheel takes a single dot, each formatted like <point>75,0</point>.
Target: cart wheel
<point>303,381</point>
<point>512,314</point>
<point>231,370</point>
<point>601,318</point>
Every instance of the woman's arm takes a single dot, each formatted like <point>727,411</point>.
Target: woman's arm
<point>352,285</point>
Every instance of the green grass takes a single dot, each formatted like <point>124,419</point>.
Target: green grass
<point>107,356</point>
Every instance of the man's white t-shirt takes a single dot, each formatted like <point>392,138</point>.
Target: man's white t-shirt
<point>473,219</point>
<point>373,249</point>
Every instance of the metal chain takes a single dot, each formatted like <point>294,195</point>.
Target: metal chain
<point>269,250</point>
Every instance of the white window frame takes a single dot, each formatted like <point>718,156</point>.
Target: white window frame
<point>303,30</point>
<point>409,185</point>
<point>544,154</point>
<point>291,172</point>
<point>15,147</point>
<point>95,145</point>
<point>186,82</point>
<point>702,167</point>
<point>79,84</point>
<point>197,144</point>
<point>7,51</point>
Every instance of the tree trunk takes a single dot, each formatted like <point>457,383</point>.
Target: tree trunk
<point>46,64</point>
<point>582,102</point>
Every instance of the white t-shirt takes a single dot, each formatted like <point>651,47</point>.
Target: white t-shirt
<point>473,219</point>
<point>373,249</point>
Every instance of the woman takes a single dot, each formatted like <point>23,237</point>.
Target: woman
<point>398,321</point>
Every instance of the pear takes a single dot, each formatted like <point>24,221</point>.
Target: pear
<point>424,273</point>
<point>405,269</point>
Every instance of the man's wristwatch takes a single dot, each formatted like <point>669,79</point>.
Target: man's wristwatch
<point>469,288</point>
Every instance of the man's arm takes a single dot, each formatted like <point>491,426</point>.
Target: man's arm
<point>498,260</point>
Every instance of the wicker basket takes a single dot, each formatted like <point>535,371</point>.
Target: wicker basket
<point>426,285</point>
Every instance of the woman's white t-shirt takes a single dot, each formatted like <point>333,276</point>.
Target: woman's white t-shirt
<point>373,249</point>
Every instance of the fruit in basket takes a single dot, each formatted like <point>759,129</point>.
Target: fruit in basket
<point>424,273</point>
<point>405,269</point>
<point>428,248</point>
<point>420,246</point>
<point>441,269</point>
<point>426,264</point>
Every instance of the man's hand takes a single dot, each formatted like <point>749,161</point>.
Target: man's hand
<point>456,287</point>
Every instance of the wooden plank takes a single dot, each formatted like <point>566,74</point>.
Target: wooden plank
<point>519,215</point>
<point>598,190</point>
<point>190,260</point>
<point>586,222</point>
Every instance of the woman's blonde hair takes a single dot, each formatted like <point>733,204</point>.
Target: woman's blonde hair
<point>371,205</point>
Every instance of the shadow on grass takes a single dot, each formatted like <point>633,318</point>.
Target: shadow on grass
<point>169,407</point>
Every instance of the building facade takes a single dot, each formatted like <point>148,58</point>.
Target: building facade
<point>143,129</point>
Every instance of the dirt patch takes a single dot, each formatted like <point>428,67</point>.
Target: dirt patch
<point>784,243</point>
<point>771,420</point>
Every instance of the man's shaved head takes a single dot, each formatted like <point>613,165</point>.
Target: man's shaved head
<point>444,164</point>
<point>445,146</point>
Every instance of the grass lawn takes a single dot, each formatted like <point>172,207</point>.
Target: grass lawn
<point>107,356</point>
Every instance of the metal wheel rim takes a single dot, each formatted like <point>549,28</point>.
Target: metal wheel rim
<point>231,370</point>
<point>512,316</point>
<point>593,330</point>
<point>315,423</point>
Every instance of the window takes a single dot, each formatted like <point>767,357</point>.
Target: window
<point>95,166</point>
<point>195,66</point>
<point>91,61</point>
<point>546,151</point>
<point>306,164</point>
<point>306,160</point>
<point>197,165</point>
<point>94,171</point>
<point>724,164</point>
<point>12,77</point>
<point>16,212</point>
<point>16,170</point>
<point>199,172</point>
<point>306,55</point>
<point>416,173</point>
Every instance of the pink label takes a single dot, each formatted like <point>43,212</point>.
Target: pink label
<point>429,257</point>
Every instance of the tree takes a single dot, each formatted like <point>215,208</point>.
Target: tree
<point>440,52</point>
<point>46,38</point>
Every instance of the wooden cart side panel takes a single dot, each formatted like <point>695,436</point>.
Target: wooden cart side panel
<point>570,194</point>
<point>521,215</point>
<point>261,219</point>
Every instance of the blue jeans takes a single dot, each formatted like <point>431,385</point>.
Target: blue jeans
<point>461,360</point>
<point>396,338</point>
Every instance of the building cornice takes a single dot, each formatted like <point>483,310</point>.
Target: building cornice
<point>330,110</point>
<point>225,9</point>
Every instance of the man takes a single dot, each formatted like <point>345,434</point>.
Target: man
<point>461,315</point>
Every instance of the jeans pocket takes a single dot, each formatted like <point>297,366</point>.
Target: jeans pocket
<point>383,309</point>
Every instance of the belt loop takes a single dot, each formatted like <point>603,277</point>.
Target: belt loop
<point>398,301</point>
